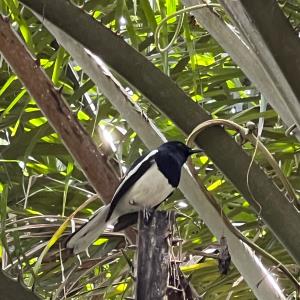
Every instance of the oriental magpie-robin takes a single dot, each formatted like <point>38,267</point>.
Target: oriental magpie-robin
<point>148,182</point>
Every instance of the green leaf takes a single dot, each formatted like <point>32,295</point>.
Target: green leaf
<point>205,59</point>
<point>58,66</point>
<point>13,103</point>
<point>24,28</point>
<point>171,8</point>
<point>250,115</point>
<point>11,79</point>
<point>3,208</point>
<point>70,168</point>
<point>150,16</point>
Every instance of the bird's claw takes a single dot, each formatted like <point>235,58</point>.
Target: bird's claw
<point>148,215</point>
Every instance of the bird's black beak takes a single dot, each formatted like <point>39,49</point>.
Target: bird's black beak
<point>193,151</point>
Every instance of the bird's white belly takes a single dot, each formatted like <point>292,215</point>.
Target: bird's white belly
<point>150,190</point>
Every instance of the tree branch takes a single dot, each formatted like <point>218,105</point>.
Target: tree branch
<point>93,164</point>
<point>266,36</point>
<point>246,58</point>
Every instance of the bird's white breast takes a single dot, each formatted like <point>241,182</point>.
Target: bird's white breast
<point>150,190</point>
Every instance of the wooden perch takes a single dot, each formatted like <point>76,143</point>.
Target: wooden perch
<point>158,273</point>
<point>153,256</point>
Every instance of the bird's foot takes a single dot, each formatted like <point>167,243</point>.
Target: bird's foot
<point>148,215</point>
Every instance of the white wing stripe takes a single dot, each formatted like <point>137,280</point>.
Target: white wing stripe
<point>134,170</point>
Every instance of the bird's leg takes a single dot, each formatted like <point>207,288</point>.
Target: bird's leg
<point>87,252</point>
<point>148,214</point>
<point>79,259</point>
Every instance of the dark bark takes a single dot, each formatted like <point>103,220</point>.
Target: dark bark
<point>185,113</point>
<point>153,256</point>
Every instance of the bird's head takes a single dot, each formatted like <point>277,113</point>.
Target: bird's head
<point>178,149</point>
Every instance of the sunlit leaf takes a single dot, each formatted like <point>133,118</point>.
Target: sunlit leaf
<point>215,185</point>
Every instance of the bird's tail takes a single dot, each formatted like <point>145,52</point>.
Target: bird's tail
<point>89,232</point>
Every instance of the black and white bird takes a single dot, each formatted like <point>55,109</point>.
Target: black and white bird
<point>150,180</point>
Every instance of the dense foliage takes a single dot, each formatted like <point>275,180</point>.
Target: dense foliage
<point>41,184</point>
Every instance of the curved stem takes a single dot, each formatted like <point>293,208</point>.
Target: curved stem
<point>180,13</point>
<point>248,135</point>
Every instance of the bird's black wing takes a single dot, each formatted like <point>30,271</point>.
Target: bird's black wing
<point>129,219</point>
<point>135,173</point>
<point>126,220</point>
<point>135,163</point>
